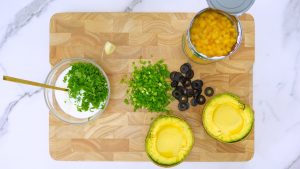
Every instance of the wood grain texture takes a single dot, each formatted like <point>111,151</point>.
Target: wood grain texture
<point>119,134</point>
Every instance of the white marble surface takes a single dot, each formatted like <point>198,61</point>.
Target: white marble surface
<point>24,52</point>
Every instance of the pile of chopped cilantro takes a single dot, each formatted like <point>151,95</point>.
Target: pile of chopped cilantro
<point>148,87</point>
<point>87,86</point>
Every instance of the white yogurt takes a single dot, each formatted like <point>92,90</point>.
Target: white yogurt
<point>66,103</point>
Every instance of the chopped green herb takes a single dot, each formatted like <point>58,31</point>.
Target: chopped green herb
<point>87,86</point>
<point>148,87</point>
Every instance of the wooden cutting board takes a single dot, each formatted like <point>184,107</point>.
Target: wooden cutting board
<point>119,134</point>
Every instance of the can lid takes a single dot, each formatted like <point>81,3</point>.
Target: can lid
<point>234,7</point>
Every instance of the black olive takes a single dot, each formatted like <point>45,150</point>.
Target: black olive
<point>181,89</point>
<point>183,99</point>
<point>194,102</point>
<point>174,83</point>
<point>190,92</point>
<point>209,91</point>
<point>185,67</point>
<point>201,99</point>
<point>172,75</point>
<point>175,76</point>
<point>176,94</point>
<point>181,79</point>
<point>185,91</point>
<point>186,82</point>
<point>183,106</point>
<point>197,84</point>
<point>189,74</point>
<point>197,93</point>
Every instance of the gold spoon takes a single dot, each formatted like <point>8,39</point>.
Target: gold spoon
<point>17,80</point>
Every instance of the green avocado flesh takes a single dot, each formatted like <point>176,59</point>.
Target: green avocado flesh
<point>227,119</point>
<point>169,140</point>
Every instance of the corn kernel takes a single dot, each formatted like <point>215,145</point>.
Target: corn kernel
<point>213,34</point>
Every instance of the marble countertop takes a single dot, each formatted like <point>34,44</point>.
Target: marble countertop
<point>24,52</point>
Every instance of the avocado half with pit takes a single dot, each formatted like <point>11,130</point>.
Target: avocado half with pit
<point>169,140</point>
<point>226,118</point>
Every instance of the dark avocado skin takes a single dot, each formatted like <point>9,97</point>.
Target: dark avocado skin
<point>155,162</point>
<point>163,165</point>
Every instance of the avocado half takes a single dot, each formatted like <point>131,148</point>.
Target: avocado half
<point>169,140</point>
<point>226,118</point>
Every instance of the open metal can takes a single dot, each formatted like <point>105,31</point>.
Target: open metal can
<point>198,57</point>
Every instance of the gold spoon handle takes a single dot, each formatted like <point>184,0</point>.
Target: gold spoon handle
<point>17,80</point>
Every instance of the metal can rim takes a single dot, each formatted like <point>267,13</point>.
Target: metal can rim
<point>238,13</point>
<point>216,58</point>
